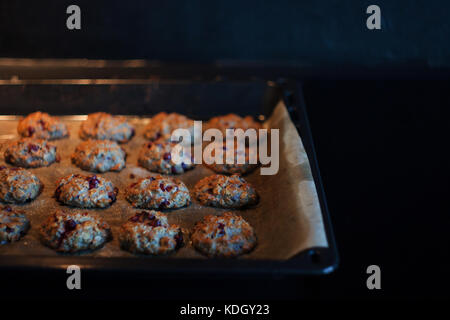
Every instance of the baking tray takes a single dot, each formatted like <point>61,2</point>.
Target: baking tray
<point>191,98</point>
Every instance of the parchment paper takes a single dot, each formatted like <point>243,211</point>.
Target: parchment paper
<point>287,220</point>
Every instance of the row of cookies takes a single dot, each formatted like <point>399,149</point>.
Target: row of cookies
<point>100,153</point>
<point>105,155</point>
<point>104,126</point>
<point>150,193</point>
<point>18,185</point>
<point>146,232</point>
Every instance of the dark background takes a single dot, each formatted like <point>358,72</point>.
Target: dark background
<point>331,32</point>
<point>378,104</point>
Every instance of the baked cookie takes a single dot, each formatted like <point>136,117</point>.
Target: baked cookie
<point>232,121</point>
<point>41,125</point>
<point>13,225</point>
<point>157,157</point>
<point>228,235</point>
<point>31,153</point>
<point>225,192</point>
<point>18,185</point>
<point>85,191</point>
<point>148,232</point>
<point>163,124</point>
<point>231,168</point>
<point>158,193</point>
<point>74,231</point>
<point>104,126</point>
<point>99,156</point>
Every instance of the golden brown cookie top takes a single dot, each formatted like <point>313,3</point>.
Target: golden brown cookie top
<point>163,124</point>
<point>228,235</point>
<point>232,121</point>
<point>68,231</point>
<point>225,192</point>
<point>104,126</point>
<point>158,192</point>
<point>42,126</point>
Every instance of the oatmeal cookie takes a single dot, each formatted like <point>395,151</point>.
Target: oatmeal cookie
<point>74,231</point>
<point>13,225</point>
<point>41,125</point>
<point>157,157</point>
<point>232,121</point>
<point>158,193</point>
<point>228,235</point>
<point>104,126</point>
<point>161,126</point>
<point>18,185</point>
<point>148,232</point>
<point>225,192</point>
<point>86,191</point>
<point>31,153</point>
<point>235,167</point>
<point>99,156</point>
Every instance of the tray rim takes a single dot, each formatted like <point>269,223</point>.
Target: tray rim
<point>312,261</point>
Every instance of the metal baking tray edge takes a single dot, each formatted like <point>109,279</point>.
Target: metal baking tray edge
<point>313,261</point>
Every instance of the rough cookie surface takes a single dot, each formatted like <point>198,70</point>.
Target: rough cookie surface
<point>225,192</point>
<point>228,235</point>
<point>99,156</point>
<point>13,225</point>
<point>235,167</point>
<point>232,121</point>
<point>41,125</point>
<point>86,191</point>
<point>31,153</point>
<point>148,232</point>
<point>163,124</point>
<point>104,126</point>
<point>158,193</point>
<point>18,185</point>
<point>156,157</point>
<point>74,231</point>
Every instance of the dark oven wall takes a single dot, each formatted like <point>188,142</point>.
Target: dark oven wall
<point>197,99</point>
<point>315,33</point>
